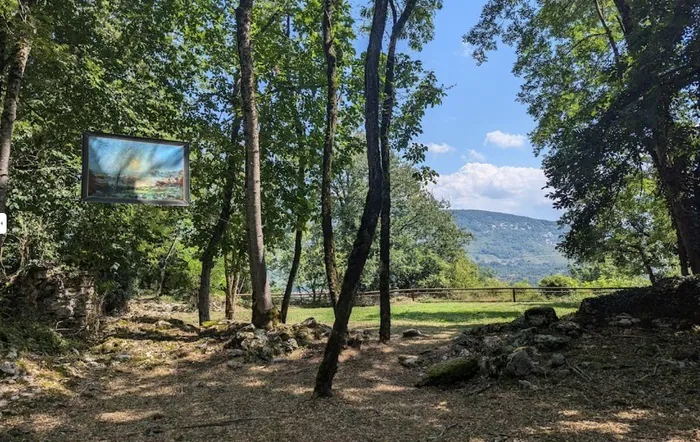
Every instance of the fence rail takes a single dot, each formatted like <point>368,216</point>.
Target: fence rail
<point>476,294</point>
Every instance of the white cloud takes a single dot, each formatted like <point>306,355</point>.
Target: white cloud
<point>439,148</point>
<point>474,156</point>
<point>505,140</point>
<point>467,49</point>
<point>516,190</point>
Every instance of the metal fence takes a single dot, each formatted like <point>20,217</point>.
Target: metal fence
<point>479,294</point>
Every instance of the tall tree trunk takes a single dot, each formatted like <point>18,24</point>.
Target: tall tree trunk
<point>232,280</point>
<point>15,75</point>
<point>331,124</point>
<point>684,212</point>
<point>301,180</point>
<point>385,231</point>
<point>203,298</point>
<point>682,255</point>
<point>370,215</point>
<point>264,312</point>
<point>164,267</point>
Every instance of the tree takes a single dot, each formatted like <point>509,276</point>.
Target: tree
<point>264,312</point>
<point>635,234</point>
<point>21,26</point>
<point>611,87</point>
<point>370,217</point>
<point>387,112</point>
<point>331,124</point>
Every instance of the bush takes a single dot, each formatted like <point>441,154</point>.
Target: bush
<point>557,285</point>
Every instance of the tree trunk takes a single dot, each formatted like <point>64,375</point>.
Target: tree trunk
<point>682,255</point>
<point>232,280</point>
<point>370,215</point>
<point>331,124</point>
<point>385,231</point>
<point>292,272</point>
<point>164,267</point>
<point>684,213</point>
<point>264,311</point>
<point>221,225</point>
<point>611,39</point>
<point>301,180</point>
<point>17,64</point>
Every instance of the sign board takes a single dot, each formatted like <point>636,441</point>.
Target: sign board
<point>124,169</point>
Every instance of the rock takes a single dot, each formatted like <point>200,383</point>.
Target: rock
<point>304,336</point>
<point>162,325</point>
<point>290,345</point>
<point>12,354</point>
<point>122,357</point>
<point>234,365</point>
<point>409,361</point>
<point>236,352</point>
<point>520,364</point>
<point>540,317</point>
<point>624,322</point>
<point>8,368</point>
<point>493,366</point>
<point>562,373</point>
<point>355,340</point>
<point>528,385</point>
<point>551,343</point>
<point>450,372</point>
<point>309,322</point>
<point>412,333</point>
<point>557,360</point>
<point>569,328</point>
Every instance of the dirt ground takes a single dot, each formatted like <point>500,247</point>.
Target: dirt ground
<point>144,384</point>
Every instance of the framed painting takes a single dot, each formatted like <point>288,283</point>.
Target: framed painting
<point>124,169</point>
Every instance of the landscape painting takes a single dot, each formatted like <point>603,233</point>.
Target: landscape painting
<point>122,169</point>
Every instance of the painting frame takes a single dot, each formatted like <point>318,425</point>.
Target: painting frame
<point>85,190</point>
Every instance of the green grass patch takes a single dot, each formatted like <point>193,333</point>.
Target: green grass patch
<point>414,314</point>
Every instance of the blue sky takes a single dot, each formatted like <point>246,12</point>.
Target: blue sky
<point>112,156</point>
<point>478,138</point>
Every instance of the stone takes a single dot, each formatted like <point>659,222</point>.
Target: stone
<point>8,368</point>
<point>236,352</point>
<point>450,372</point>
<point>520,364</point>
<point>528,385</point>
<point>409,361</point>
<point>309,322</point>
<point>557,360</point>
<point>550,342</point>
<point>12,354</point>
<point>624,322</point>
<point>303,336</point>
<point>234,365</point>
<point>355,340</point>
<point>569,328</point>
<point>122,357</point>
<point>493,366</point>
<point>290,345</point>
<point>412,333</point>
<point>162,325</point>
<point>562,373</point>
<point>540,317</point>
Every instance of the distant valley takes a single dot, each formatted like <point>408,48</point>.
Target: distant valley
<point>515,247</point>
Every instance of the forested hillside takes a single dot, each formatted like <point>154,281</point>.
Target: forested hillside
<point>515,247</point>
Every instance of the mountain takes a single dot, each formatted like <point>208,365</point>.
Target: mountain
<point>515,247</point>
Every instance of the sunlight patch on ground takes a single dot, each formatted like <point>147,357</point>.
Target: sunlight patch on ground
<point>606,427</point>
<point>124,416</point>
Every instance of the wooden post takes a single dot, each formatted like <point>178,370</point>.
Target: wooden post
<point>514,295</point>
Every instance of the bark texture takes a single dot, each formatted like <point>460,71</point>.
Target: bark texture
<point>331,124</point>
<point>15,75</point>
<point>385,230</point>
<point>264,311</point>
<point>370,215</point>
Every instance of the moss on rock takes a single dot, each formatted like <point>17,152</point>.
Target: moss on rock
<point>450,372</point>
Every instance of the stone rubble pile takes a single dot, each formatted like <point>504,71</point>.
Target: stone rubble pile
<point>252,343</point>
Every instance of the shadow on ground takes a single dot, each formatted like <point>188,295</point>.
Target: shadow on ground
<point>198,397</point>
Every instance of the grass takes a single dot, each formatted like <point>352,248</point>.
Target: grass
<point>414,314</point>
